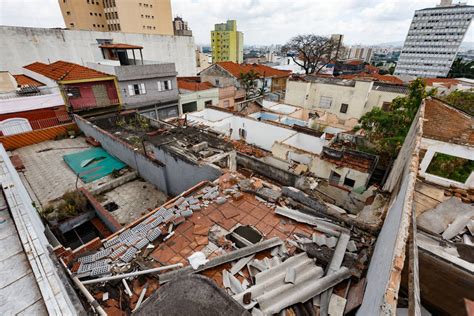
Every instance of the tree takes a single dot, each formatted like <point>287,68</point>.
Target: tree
<point>386,130</point>
<point>462,100</point>
<point>460,69</point>
<point>249,83</point>
<point>312,52</point>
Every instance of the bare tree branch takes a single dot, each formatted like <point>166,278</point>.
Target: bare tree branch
<point>312,52</point>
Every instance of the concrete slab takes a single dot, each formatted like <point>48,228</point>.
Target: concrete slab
<point>19,291</point>
<point>47,176</point>
<point>46,172</point>
<point>133,199</point>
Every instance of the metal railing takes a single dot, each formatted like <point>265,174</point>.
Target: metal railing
<point>13,127</point>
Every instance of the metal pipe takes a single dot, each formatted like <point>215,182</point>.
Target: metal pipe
<point>90,299</point>
<point>140,299</point>
<point>127,288</point>
<point>132,274</point>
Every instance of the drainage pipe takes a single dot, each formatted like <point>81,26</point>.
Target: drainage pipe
<point>132,274</point>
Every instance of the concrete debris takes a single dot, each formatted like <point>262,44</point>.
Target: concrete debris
<point>197,259</point>
<point>470,227</point>
<point>351,246</point>
<point>127,288</point>
<point>319,239</point>
<point>458,225</point>
<point>256,312</point>
<point>320,225</point>
<point>438,219</point>
<point>226,279</point>
<point>333,267</point>
<point>239,265</point>
<point>331,242</point>
<point>221,200</point>
<point>290,276</point>
<point>235,285</point>
<point>337,305</point>
<point>274,279</point>
<point>277,299</point>
<point>228,257</point>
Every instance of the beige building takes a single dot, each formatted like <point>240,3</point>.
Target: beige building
<point>148,17</point>
<point>339,101</point>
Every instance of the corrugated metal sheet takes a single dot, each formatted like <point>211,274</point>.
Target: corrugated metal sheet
<point>37,136</point>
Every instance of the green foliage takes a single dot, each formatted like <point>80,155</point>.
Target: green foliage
<point>462,100</point>
<point>249,83</point>
<point>71,204</point>
<point>451,167</point>
<point>386,130</point>
<point>460,69</point>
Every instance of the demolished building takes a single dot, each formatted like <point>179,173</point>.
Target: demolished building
<point>250,234</point>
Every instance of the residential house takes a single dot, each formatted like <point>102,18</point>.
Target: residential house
<point>83,89</point>
<point>195,95</point>
<point>341,101</point>
<point>295,147</point>
<point>148,86</point>
<point>223,74</point>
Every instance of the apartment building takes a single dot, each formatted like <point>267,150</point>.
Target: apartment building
<point>180,27</point>
<point>360,52</point>
<point>433,40</point>
<point>150,17</point>
<point>227,43</point>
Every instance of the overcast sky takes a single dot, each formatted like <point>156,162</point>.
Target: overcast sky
<point>263,21</point>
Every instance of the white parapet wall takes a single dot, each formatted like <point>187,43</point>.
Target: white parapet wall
<point>24,45</point>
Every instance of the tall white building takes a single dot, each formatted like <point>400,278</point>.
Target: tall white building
<point>433,40</point>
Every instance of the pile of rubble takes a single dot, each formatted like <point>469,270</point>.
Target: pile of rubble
<point>466,195</point>
<point>453,220</point>
<point>118,252</point>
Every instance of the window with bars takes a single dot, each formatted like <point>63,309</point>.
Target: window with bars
<point>344,107</point>
<point>325,102</point>
<point>164,85</point>
<point>136,89</point>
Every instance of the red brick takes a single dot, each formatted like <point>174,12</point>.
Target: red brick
<point>260,212</point>
<point>201,240</point>
<point>271,219</point>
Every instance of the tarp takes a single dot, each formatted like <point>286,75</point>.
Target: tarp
<point>92,164</point>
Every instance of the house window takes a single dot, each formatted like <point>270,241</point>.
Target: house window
<point>73,92</point>
<point>344,107</point>
<point>226,103</point>
<point>242,133</point>
<point>217,82</point>
<point>349,182</point>
<point>325,102</point>
<point>334,178</point>
<point>208,103</point>
<point>164,85</point>
<point>136,89</point>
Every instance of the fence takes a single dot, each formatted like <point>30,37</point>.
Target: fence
<point>20,125</point>
<point>12,142</point>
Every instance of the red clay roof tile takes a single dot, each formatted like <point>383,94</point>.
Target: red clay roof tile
<point>64,71</point>
<point>193,85</point>
<point>24,80</point>
<point>236,69</point>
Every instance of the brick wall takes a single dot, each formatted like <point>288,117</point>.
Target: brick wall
<point>443,122</point>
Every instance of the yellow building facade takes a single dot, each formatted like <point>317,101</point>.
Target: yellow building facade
<point>128,16</point>
<point>227,43</point>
